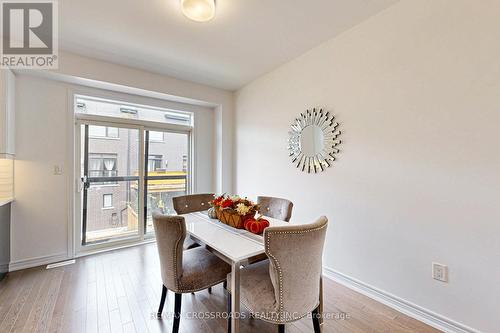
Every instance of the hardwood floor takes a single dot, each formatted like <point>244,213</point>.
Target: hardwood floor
<point>120,291</point>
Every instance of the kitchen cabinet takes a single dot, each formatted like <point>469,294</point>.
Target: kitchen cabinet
<point>7,113</point>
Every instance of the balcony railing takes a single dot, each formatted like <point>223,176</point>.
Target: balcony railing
<point>160,187</point>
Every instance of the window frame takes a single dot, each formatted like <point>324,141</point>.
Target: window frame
<point>155,158</point>
<point>103,157</point>
<point>185,163</point>
<point>125,123</point>
<point>162,140</point>
<point>112,206</point>
<point>171,116</point>
<point>106,135</point>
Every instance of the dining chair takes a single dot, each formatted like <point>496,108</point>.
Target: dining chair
<point>277,208</point>
<point>192,203</point>
<point>286,287</point>
<point>183,271</point>
<point>189,204</point>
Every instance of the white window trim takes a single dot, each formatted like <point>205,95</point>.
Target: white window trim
<point>102,138</point>
<point>128,103</point>
<point>125,122</point>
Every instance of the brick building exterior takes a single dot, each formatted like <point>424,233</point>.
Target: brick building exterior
<point>114,152</point>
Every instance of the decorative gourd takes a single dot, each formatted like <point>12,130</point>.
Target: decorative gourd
<point>256,226</point>
<point>212,213</point>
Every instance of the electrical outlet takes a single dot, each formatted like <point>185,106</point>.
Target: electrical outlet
<point>58,170</point>
<point>439,272</point>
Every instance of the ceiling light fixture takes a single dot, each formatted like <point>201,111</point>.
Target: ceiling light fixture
<point>198,10</point>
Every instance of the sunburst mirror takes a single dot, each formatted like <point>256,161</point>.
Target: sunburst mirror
<point>313,140</point>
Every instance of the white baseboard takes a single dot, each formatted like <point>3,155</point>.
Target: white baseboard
<point>38,261</point>
<point>45,260</point>
<point>412,310</point>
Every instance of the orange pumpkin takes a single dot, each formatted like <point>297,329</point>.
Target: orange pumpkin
<point>256,226</point>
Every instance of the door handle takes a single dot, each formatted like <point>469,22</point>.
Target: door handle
<point>84,182</point>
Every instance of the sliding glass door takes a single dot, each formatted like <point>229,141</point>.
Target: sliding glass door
<point>167,172</point>
<point>132,159</point>
<point>110,176</point>
<point>126,174</point>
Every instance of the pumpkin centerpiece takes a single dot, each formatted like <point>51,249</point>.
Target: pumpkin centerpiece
<point>256,225</point>
<point>233,210</point>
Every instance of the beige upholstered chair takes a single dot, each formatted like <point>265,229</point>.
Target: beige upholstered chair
<point>287,287</point>
<point>277,208</point>
<point>183,271</point>
<point>192,203</point>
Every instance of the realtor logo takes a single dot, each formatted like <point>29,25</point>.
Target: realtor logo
<point>29,34</point>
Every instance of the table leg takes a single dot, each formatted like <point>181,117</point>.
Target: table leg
<point>235,297</point>
<point>321,320</point>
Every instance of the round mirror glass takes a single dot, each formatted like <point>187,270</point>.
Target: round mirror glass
<point>312,140</point>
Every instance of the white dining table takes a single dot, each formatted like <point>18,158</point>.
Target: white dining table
<point>237,247</point>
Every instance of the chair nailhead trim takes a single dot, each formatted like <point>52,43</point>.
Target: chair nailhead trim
<point>277,264</point>
<point>265,317</point>
<point>177,281</point>
<point>176,276</point>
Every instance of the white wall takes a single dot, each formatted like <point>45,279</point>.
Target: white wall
<point>87,68</point>
<point>40,217</point>
<point>417,91</point>
<point>40,213</point>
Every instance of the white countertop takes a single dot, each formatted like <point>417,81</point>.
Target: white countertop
<point>3,202</point>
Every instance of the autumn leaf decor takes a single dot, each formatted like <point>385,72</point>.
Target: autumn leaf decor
<point>233,210</point>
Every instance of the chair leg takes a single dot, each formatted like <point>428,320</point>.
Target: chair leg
<point>315,318</point>
<point>228,313</point>
<point>281,328</point>
<point>177,313</point>
<point>162,301</point>
<point>209,290</point>
<point>193,246</point>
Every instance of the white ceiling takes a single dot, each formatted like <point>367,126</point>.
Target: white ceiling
<point>246,39</point>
